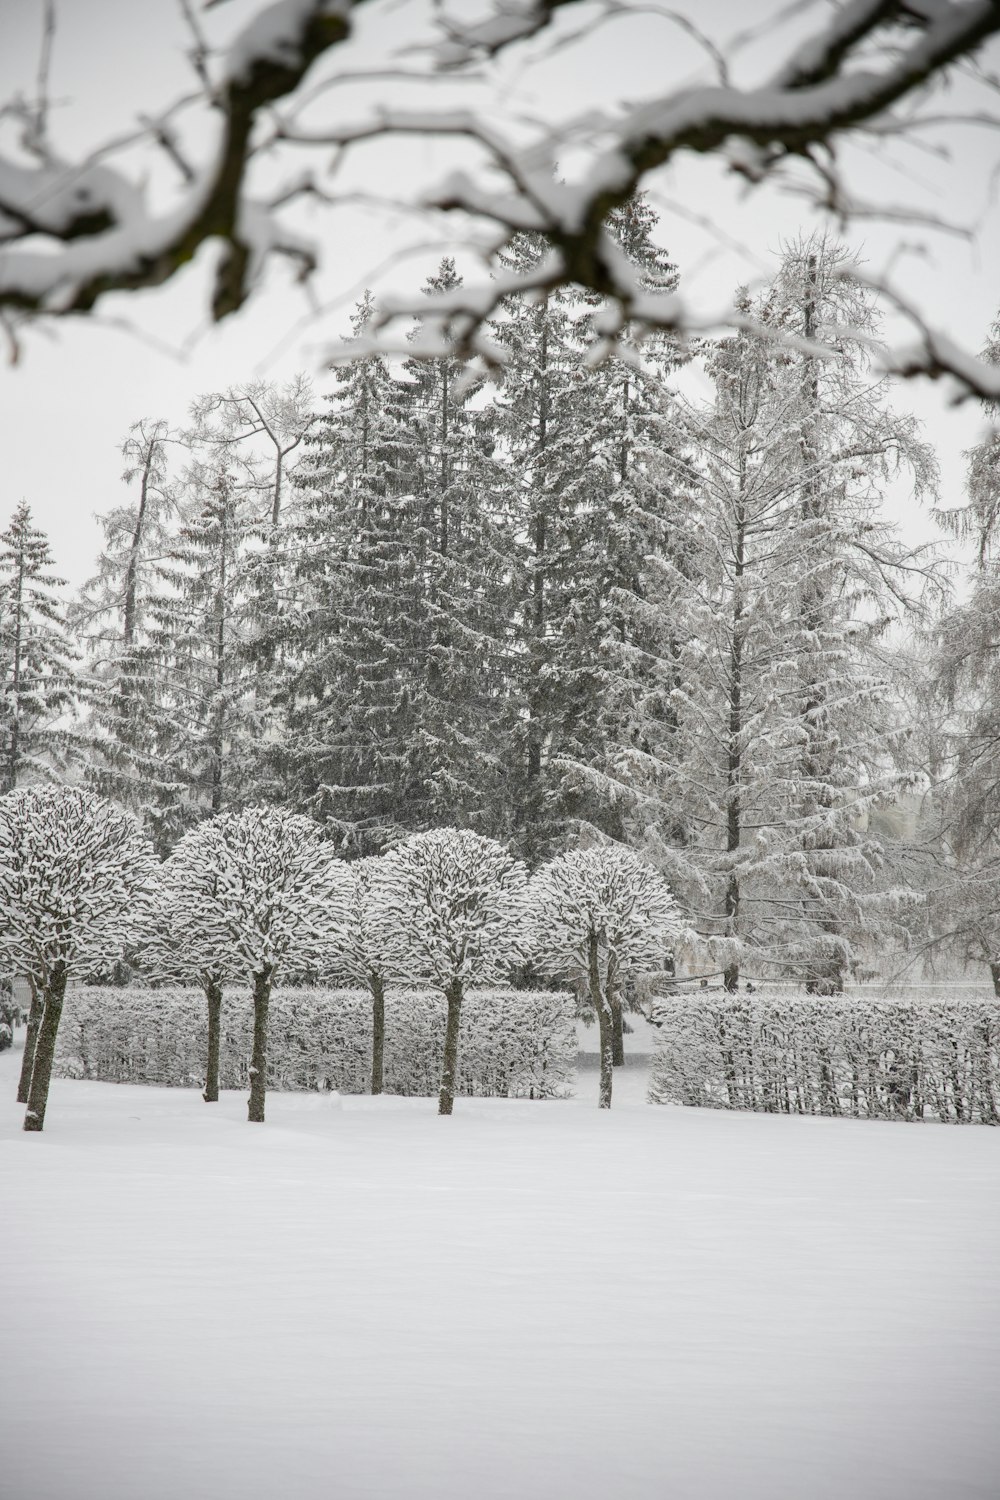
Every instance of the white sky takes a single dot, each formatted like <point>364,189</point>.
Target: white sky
<point>65,410</point>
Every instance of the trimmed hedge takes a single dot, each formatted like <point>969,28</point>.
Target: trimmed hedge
<point>871,1059</point>
<point>514,1043</point>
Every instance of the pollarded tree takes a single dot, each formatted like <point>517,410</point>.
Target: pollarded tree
<point>267,891</point>
<point>38,679</point>
<point>366,955</point>
<point>75,879</point>
<point>451,910</point>
<point>602,916</point>
<point>174,946</point>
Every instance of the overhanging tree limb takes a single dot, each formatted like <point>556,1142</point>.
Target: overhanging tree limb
<point>74,232</point>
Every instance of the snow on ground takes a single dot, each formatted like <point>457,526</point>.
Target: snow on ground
<point>363,1301</point>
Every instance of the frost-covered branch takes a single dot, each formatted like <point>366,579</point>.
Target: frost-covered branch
<point>72,231</point>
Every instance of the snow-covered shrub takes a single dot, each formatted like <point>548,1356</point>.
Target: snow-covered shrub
<point>517,1043</point>
<point>870,1058</point>
<point>254,893</point>
<point>451,910</point>
<point>75,873</point>
<point>602,917</point>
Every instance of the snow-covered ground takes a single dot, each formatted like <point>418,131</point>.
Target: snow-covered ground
<point>362,1301</point>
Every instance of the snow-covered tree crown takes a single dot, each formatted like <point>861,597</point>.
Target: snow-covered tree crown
<point>174,943</point>
<point>262,887</point>
<point>75,877</point>
<point>451,906</point>
<point>368,942</point>
<point>605,893</point>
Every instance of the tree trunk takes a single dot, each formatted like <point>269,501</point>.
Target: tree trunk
<point>449,1075</point>
<point>45,1047</point>
<point>604,1023</point>
<point>617,1033</point>
<point>994,975</point>
<point>28,1060</point>
<point>258,1059</point>
<point>734,768</point>
<point>213,994</point>
<point>377,985</point>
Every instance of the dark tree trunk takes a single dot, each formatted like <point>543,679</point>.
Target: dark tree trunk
<point>994,975</point>
<point>45,1048</point>
<point>617,1033</point>
<point>537,702</point>
<point>213,994</point>
<point>377,985</point>
<point>449,1074</point>
<point>28,1060</point>
<point>258,1059</point>
<point>604,1023</point>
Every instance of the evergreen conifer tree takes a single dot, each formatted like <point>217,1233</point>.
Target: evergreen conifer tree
<point>356,708</point>
<point>464,556</point>
<point>38,661</point>
<point>544,416</point>
<point>200,630</point>
<point>784,733</point>
<point>963,882</point>
<point>128,731</point>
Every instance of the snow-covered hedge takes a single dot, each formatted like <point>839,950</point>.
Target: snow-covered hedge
<point>515,1043</point>
<point>852,1055</point>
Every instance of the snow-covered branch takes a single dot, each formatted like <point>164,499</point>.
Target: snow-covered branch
<point>72,231</point>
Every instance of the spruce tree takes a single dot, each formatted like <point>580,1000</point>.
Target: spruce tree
<point>590,499</point>
<point>464,557</point>
<point>544,417</point>
<point>37,658</point>
<point>355,706</point>
<point>633,529</point>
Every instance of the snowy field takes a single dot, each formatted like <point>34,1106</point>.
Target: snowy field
<point>538,1301</point>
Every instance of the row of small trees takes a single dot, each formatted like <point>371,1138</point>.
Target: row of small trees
<point>260,895</point>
